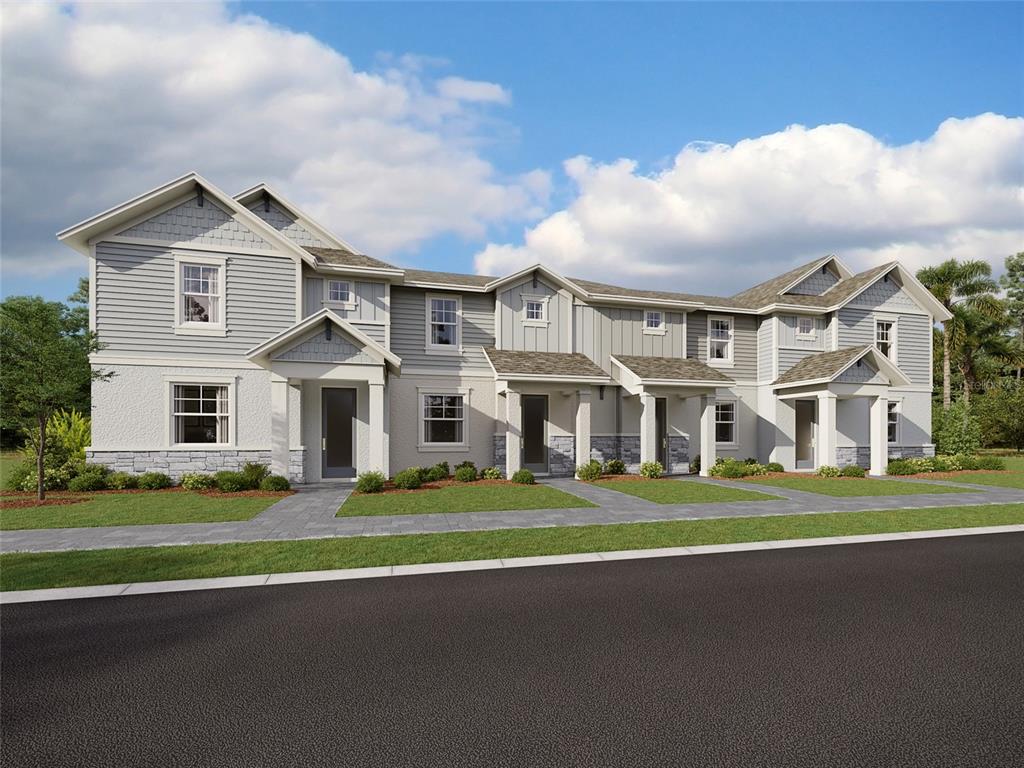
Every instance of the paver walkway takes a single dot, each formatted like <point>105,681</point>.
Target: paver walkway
<point>310,514</point>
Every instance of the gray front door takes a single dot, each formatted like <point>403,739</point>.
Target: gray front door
<point>805,417</point>
<point>535,433</point>
<point>338,416</point>
<point>661,429</point>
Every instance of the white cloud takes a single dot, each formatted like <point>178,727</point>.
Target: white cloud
<point>101,102</point>
<point>721,218</point>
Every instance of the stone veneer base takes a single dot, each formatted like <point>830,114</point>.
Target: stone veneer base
<point>861,454</point>
<point>626,448</point>
<point>177,463</point>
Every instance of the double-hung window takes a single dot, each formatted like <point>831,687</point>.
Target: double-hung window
<point>805,327</point>
<point>654,321</point>
<point>893,422</point>
<point>200,414</point>
<point>444,419</point>
<point>199,287</point>
<point>885,337</point>
<point>443,320</point>
<point>339,291</point>
<point>720,338</point>
<point>725,422</point>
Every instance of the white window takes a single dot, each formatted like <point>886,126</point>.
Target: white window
<point>444,318</point>
<point>339,291</point>
<point>719,339</point>
<point>894,422</point>
<point>535,310</point>
<point>200,414</point>
<point>444,419</point>
<point>805,327</point>
<point>725,422</point>
<point>654,321</point>
<point>199,291</point>
<point>885,338</point>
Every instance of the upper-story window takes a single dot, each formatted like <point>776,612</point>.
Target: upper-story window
<point>535,310</point>
<point>720,339</point>
<point>339,291</point>
<point>444,319</point>
<point>199,284</point>
<point>885,337</point>
<point>654,321</point>
<point>805,327</point>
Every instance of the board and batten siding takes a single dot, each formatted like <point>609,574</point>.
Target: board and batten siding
<point>553,336</point>
<point>744,366</point>
<point>136,305</point>
<point>765,349</point>
<point>603,331</point>
<point>913,339</point>
<point>409,331</point>
<point>370,304</point>
<point>788,336</point>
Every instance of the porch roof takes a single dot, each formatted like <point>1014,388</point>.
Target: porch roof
<point>669,370</point>
<point>545,366</point>
<point>826,367</point>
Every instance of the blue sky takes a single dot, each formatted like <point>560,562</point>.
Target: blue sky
<point>610,81</point>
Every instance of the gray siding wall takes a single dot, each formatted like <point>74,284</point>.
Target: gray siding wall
<point>318,349</point>
<point>744,343</point>
<point>374,331</point>
<point>188,222</point>
<point>765,349</point>
<point>552,337</point>
<point>603,331</point>
<point>135,302</point>
<point>788,337</point>
<point>370,306</point>
<point>913,340</point>
<point>409,334</point>
<point>816,284</point>
<point>287,225</point>
<point>790,357</point>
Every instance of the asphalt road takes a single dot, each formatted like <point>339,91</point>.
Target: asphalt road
<point>893,654</point>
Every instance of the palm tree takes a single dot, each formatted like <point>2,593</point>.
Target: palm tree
<point>968,284</point>
<point>981,348</point>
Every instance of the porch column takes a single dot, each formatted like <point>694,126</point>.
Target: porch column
<point>279,426</point>
<point>708,452</point>
<point>879,431</point>
<point>513,432</point>
<point>827,429</point>
<point>583,426</point>
<point>377,457</point>
<point>648,428</point>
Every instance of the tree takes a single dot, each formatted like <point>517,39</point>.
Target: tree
<point>1013,283</point>
<point>1001,414</point>
<point>980,347</point>
<point>44,365</point>
<point>956,283</point>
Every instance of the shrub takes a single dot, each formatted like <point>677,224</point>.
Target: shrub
<point>469,464</point>
<point>730,468</point>
<point>275,483</point>
<point>197,481</point>
<point>228,481</point>
<point>465,474</point>
<point>491,473</point>
<point>991,462</point>
<point>370,482</point>
<point>946,464</point>
<point>437,472</point>
<point>121,481</point>
<point>695,464</point>
<point>956,431</point>
<point>408,479</point>
<point>774,466</point>
<point>421,473</point>
<point>750,460</point>
<point>154,481</point>
<point>254,474</point>
<point>900,467</point>
<point>523,477</point>
<point>615,467</point>
<point>852,470</point>
<point>826,470</point>
<point>88,481</point>
<point>16,477</point>
<point>55,479</point>
<point>71,430</point>
<point>968,462</point>
<point>590,471</point>
<point>651,470</point>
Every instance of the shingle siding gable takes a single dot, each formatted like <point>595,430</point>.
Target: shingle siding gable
<point>208,224</point>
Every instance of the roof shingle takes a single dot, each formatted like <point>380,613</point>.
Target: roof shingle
<point>568,364</point>
<point>673,369</point>
<point>341,258</point>
<point>824,365</point>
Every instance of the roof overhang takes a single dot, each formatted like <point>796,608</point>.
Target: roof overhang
<point>882,364</point>
<point>633,383</point>
<point>550,274</point>
<point>262,353</point>
<point>914,288</point>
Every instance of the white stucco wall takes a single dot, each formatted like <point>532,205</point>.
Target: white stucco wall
<point>131,410</point>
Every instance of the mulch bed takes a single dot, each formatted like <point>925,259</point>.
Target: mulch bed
<point>389,487</point>
<point>24,502</point>
<point>953,475</point>
<point>21,499</point>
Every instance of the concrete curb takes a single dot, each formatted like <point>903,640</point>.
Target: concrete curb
<point>270,579</point>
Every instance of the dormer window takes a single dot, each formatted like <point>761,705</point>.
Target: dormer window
<point>654,321</point>
<point>199,286</point>
<point>535,310</point>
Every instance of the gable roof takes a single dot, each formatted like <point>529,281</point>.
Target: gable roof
<point>825,367</point>
<point>258,191</point>
<point>335,257</point>
<point>565,366</point>
<point>671,370</point>
<point>262,352</point>
<point>427,278</point>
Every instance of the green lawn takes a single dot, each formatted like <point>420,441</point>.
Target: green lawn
<point>8,461</point>
<point>682,491</point>
<point>136,509</point>
<point>461,498</point>
<point>1002,480</point>
<point>852,486</point>
<point>121,566</point>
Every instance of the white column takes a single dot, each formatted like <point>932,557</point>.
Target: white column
<point>708,452</point>
<point>378,461</point>
<point>513,432</point>
<point>280,432</point>
<point>879,418</point>
<point>827,429</point>
<point>648,428</point>
<point>583,426</point>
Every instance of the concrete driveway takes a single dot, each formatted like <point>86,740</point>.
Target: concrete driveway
<point>898,653</point>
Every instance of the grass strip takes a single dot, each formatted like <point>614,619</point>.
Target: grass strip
<point>461,498</point>
<point>682,491</point>
<point>120,566</point>
<point>852,486</point>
